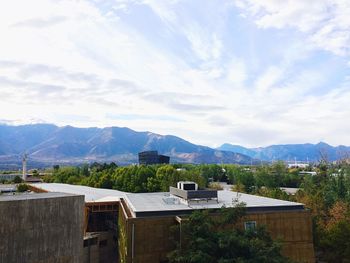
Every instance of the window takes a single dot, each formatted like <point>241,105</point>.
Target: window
<point>250,225</point>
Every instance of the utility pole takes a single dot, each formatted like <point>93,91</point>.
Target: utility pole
<point>24,167</point>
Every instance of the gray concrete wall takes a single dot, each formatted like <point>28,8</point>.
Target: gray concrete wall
<point>104,251</point>
<point>46,229</point>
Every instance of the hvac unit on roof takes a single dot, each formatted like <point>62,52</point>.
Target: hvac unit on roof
<point>186,185</point>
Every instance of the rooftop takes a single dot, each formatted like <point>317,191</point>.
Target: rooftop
<point>31,196</point>
<point>147,204</point>
<point>91,194</point>
<point>152,204</point>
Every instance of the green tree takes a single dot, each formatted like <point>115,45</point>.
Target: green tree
<point>212,238</point>
<point>84,171</point>
<point>17,179</point>
<point>35,173</point>
<point>263,177</point>
<point>22,188</point>
<point>167,175</point>
<point>335,243</point>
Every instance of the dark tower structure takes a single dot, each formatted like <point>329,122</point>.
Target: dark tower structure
<point>152,157</point>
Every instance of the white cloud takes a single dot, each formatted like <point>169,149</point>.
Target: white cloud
<point>237,73</point>
<point>326,23</point>
<point>80,63</point>
<point>269,78</point>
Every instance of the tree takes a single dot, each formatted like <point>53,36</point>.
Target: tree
<point>105,181</point>
<point>279,172</point>
<point>212,238</point>
<point>264,178</point>
<point>167,176</point>
<point>84,171</point>
<point>335,243</point>
<point>22,188</point>
<point>17,179</point>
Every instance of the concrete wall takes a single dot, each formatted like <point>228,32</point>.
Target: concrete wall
<point>103,249</point>
<point>91,250</point>
<point>47,228</point>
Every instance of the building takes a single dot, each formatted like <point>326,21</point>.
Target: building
<point>128,227</point>
<point>9,177</point>
<point>7,188</point>
<point>298,165</point>
<point>29,178</point>
<point>38,228</point>
<point>152,157</point>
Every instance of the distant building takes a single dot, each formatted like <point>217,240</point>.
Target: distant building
<point>152,157</point>
<point>7,188</point>
<point>298,165</point>
<point>306,172</point>
<point>9,177</point>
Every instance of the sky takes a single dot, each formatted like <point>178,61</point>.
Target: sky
<point>245,72</point>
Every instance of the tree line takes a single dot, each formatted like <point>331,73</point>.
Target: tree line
<point>153,178</point>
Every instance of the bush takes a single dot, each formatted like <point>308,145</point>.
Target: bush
<point>22,188</point>
<point>17,180</point>
<point>216,186</point>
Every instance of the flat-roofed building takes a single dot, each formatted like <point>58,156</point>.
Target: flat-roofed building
<point>9,177</point>
<point>139,224</point>
<point>152,157</point>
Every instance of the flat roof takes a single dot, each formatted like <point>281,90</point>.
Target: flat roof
<point>91,194</point>
<point>31,196</point>
<point>151,204</point>
<point>7,186</point>
<point>163,203</point>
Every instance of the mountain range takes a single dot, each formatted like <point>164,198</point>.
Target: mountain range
<point>50,144</point>
<point>292,152</point>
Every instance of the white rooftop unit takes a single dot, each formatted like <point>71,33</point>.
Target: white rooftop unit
<point>187,185</point>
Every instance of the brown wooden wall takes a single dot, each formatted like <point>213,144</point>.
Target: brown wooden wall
<point>294,228</point>
<point>153,238</point>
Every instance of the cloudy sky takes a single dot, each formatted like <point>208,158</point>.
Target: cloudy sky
<point>246,72</point>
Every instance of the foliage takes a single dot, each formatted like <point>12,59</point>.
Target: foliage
<point>136,179</point>
<point>335,242</point>
<point>35,173</point>
<point>17,179</point>
<point>215,186</point>
<point>276,193</point>
<point>22,188</point>
<point>215,238</point>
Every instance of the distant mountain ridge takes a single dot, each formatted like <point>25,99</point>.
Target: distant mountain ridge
<point>50,143</point>
<point>291,152</point>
